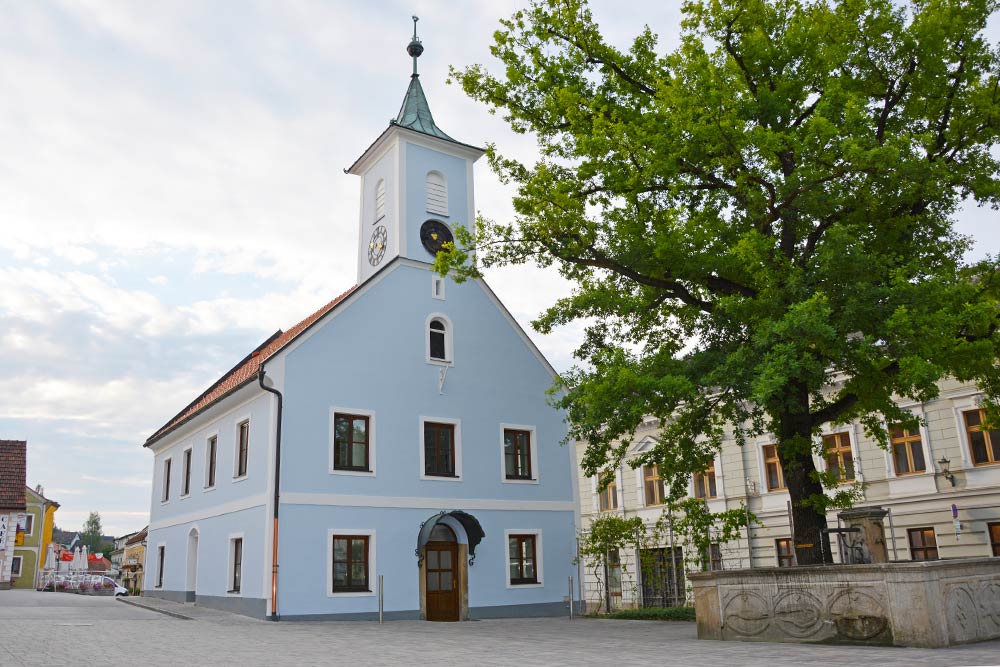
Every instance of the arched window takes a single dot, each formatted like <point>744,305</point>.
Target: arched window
<point>437,193</point>
<point>438,334</point>
<point>380,200</point>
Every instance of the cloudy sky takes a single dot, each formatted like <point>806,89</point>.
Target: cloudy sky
<point>172,192</point>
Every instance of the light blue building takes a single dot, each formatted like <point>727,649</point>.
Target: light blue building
<point>400,432</point>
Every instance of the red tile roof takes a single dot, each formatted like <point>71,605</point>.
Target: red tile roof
<point>13,472</point>
<point>246,370</point>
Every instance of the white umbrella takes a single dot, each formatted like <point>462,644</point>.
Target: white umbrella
<point>76,558</point>
<point>85,561</point>
<point>50,558</point>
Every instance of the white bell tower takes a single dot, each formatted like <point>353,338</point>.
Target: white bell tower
<point>416,184</point>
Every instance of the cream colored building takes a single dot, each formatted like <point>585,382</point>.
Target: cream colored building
<point>909,480</point>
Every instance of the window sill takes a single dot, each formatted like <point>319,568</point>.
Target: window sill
<point>518,480</point>
<point>233,593</point>
<point>354,473</point>
<point>536,584</point>
<point>350,594</point>
<point>165,502</point>
<point>440,478</point>
<point>242,478</point>
<point>208,488</point>
<point>184,496</point>
<point>439,362</point>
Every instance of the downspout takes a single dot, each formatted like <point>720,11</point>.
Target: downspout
<point>277,495</point>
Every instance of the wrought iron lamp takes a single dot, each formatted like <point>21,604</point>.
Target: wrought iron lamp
<point>946,470</point>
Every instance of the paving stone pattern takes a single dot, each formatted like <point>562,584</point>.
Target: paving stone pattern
<point>58,628</point>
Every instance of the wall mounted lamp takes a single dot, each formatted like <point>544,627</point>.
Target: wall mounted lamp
<point>946,470</point>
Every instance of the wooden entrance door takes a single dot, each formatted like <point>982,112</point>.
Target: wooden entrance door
<point>441,572</point>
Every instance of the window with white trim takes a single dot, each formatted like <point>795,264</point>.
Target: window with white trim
<point>380,200</point>
<point>523,551</point>
<point>907,451</point>
<point>437,287</point>
<point>242,448</point>
<point>437,193</point>
<point>15,566</point>
<point>166,480</point>
<point>235,564</point>
<point>211,460</point>
<point>608,495</point>
<point>351,572</point>
<point>437,340</point>
<point>186,481</point>
<point>161,552</point>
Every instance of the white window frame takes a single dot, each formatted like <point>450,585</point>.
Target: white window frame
<point>532,454</point>
<point>208,462</point>
<point>449,340</point>
<point>29,513</point>
<point>371,441</point>
<point>189,458</point>
<point>231,563</point>
<point>372,571</point>
<point>539,557</point>
<point>236,449</point>
<point>20,565</point>
<point>457,423</point>
<point>165,479</point>
<point>437,289</point>
<point>432,208</point>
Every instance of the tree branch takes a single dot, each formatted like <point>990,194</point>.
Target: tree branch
<point>845,401</point>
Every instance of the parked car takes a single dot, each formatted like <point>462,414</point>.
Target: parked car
<point>107,583</point>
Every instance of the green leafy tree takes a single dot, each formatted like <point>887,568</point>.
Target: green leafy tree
<point>91,533</point>
<point>759,225</point>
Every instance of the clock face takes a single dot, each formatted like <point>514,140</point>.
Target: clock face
<point>434,234</point>
<point>376,247</point>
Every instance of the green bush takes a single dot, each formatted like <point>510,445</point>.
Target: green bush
<point>655,614</point>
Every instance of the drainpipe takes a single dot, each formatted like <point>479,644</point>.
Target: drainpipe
<point>277,495</point>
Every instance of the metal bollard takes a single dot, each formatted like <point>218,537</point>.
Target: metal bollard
<point>381,599</point>
<point>571,603</point>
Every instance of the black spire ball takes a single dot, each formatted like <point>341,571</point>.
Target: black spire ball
<point>415,48</point>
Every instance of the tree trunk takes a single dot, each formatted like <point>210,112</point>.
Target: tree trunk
<point>812,545</point>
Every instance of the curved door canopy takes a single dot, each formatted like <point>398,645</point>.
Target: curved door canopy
<point>441,575</point>
<point>473,531</point>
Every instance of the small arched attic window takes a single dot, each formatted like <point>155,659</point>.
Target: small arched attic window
<point>380,199</point>
<point>437,193</point>
<point>438,339</point>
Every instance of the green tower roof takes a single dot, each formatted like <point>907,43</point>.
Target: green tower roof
<point>415,114</point>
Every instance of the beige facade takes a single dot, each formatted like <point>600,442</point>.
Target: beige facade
<point>920,500</point>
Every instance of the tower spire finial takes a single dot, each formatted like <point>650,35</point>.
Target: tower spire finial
<point>415,48</point>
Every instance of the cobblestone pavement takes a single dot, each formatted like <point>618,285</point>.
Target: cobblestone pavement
<point>59,628</point>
